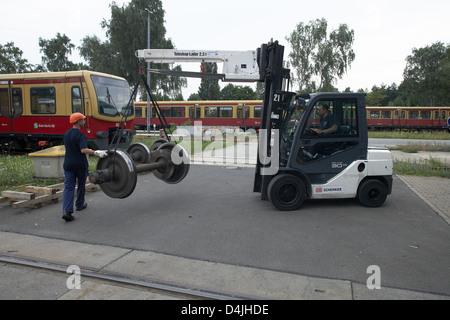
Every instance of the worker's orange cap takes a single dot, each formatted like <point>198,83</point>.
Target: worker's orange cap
<point>75,117</point>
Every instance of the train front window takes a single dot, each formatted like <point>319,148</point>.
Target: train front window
<point>113,96</point>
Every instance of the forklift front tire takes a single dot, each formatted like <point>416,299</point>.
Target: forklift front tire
<point>286,192</point>
<point>372,193</point>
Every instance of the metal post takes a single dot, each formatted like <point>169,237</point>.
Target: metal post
<point>148,73</point>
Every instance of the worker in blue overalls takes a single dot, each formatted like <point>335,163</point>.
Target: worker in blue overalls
<point>76,166</point>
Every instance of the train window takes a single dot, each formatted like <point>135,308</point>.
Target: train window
<point>414,115</point>
<point>43,100</point>
<point>226,112</point>
<point>425,115</point>
<point>76,100</point>
<point>257,112</point>
<point>138,112</point>
<point>113,95</point>
<point>443,115</point>
<point>17,102</point>
<point>243,112</point>
<point>403,115</point>
<point>210,112</point>
<point>166,112</point>
<point>4,103</point>
<point>385,114</point>
<point>178,112</point>
<point>374,114</point>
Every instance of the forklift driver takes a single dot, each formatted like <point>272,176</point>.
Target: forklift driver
<point>328,123</point>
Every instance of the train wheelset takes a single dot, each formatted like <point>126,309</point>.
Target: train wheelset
<point>117,173</point>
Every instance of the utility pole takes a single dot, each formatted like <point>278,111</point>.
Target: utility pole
<point>149,113</point>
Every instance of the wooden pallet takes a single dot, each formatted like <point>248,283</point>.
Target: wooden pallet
<point>35,197</point>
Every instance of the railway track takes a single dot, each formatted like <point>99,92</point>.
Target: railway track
<point>162,288</point>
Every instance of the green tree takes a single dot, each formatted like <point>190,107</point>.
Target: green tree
<point>232,92</point>
<point>315,55</point>
<point>194,97</point>
<point>209,88</point>
<point>11,60</point>
<point>100,55</point>
<point>425,78</point>
<point>56,54</point>
<point>126,32</point>
<point>377,97</point>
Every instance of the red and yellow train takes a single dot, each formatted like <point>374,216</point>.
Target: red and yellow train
<point>242,113</point>
<point>35,108</point>
<point>246,114</point>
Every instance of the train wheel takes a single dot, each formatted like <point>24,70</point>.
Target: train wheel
<point>286,192</point>
<point>157,144</point>
<point>372,193</point>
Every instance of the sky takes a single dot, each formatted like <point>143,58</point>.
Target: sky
<point>386,31</point>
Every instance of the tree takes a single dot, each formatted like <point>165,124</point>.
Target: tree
<point>425,78</point>
<point>209,88</point>
<point>316,56</point>
<point>232,92</point>
<point>100,56</point>
<point>377,97</point>
<point>11,60</point>
<point>126,32</point>
<point>56,54</point>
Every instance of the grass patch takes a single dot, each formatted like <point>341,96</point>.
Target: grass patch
<point>415,148</point>
<point>409,135</point>
<point>149,141</point>
<point>428,168</point>
<point>16,172</point>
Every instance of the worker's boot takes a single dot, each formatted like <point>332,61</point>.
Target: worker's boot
<point>68,216</point>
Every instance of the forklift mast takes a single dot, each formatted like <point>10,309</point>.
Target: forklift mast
<point>276,100</point>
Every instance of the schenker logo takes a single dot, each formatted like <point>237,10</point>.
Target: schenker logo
<point>329,189</point>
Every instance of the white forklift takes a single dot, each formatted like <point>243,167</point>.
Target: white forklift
<point>304,151</point>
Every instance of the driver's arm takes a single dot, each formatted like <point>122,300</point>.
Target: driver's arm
<point>332,129</point>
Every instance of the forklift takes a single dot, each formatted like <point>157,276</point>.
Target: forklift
<point>304,152</point>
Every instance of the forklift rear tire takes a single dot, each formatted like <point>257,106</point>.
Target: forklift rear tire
<point>372,193</point>
<point>286,192</point>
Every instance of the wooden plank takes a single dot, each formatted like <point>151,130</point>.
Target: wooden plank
<point>18,195</point>
<point>3,199</point>
<point>41,190</point>
<point>38,200</point>
<point>58,186</point>
<point>91,187</point>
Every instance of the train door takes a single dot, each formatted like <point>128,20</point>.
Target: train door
<point>243,113</point>
<point>396,118</point>
<point>198,112</point>
<point>11,108</point>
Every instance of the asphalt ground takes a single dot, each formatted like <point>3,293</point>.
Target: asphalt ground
<point>213,217</point>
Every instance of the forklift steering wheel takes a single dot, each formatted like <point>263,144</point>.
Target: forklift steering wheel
<point>311,132</point>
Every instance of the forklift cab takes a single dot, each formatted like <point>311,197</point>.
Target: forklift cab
<point>326,154</point>
<point>318,154</point>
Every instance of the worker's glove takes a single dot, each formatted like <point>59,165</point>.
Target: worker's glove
<point>101,153</point>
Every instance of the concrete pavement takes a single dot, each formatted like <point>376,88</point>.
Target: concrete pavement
<point>265,284</point>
